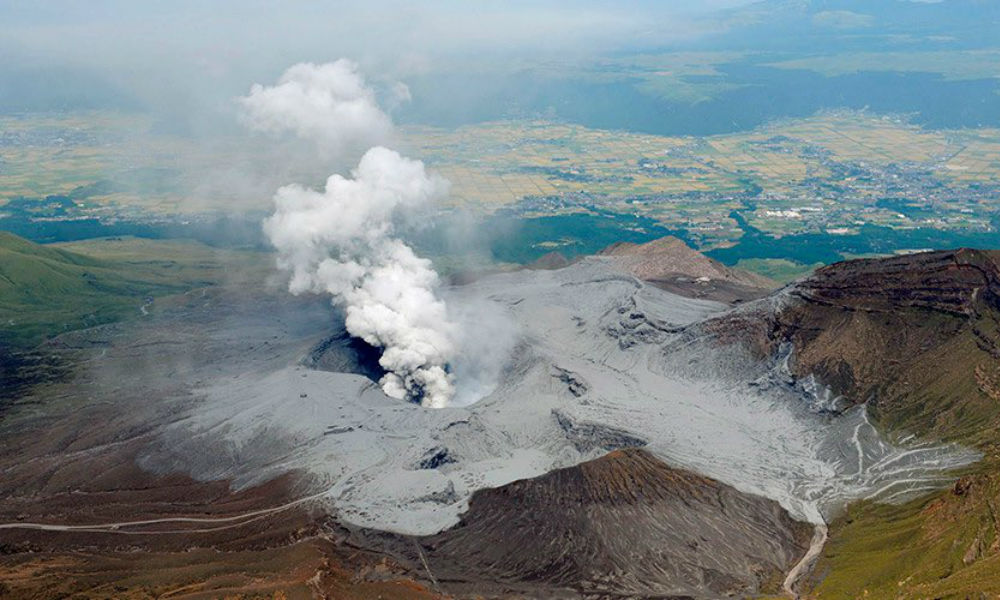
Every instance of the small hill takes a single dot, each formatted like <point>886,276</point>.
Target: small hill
<point>623,525</point>
<point>549,261</point>
<point>672,265</point>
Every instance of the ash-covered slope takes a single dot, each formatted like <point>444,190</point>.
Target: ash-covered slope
<point>623,524</point>
<point>603,361</point>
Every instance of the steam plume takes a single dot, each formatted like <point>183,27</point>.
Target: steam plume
<point>329,104</point>
<point>341,240</point>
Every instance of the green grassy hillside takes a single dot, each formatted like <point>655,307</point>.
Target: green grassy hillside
<point>45,291</point>
<point>48,290</point>
<point>946,545</point>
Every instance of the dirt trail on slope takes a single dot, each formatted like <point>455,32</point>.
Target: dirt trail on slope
<point>802,568</point>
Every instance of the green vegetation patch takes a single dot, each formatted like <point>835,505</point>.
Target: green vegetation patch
<point>944,546</point>
<point>778,269</point>
<point>47,290</point>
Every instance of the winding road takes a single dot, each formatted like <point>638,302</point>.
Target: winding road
<point>123,526</point>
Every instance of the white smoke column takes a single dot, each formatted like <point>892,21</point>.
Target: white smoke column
<point>341,240</point>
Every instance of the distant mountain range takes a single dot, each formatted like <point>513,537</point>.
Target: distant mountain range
<point>839,25</point>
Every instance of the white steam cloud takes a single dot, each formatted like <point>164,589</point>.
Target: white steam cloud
<point>329,104</point>
<point>341,240</point>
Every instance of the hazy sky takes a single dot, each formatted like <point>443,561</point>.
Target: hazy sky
<point>175,56</point>
<point>188,57</point>
<point>221,35</point>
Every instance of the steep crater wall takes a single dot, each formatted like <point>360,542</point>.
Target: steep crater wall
<point>917,337</point>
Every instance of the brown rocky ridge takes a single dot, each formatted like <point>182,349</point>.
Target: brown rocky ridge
<point>672,265</point>
<point>916,336</point>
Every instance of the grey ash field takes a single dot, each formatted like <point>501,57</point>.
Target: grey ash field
<point>636,444</point>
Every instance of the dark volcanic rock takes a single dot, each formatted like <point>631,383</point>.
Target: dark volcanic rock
<point>436,457</point>
<point>587,436</point>
<point>573,382</point>
<point>341,353</point>
<point>622,525</point>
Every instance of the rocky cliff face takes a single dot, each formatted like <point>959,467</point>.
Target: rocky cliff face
<point>915,336</point>
<point>957,283</point>
<point>625,524</point>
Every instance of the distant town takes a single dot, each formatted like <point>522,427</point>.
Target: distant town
<point>833,174</point>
